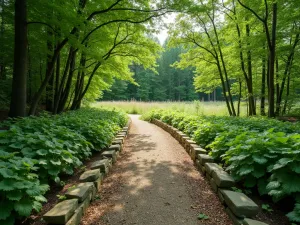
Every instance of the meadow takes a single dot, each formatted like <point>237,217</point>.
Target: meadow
<point>192,108</point>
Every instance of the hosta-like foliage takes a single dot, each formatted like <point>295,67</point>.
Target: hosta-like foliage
<point>258,152</point>
<point>20,188</point>
<point>36,150</point>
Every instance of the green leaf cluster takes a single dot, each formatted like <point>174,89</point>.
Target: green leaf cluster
<point>37,150</point>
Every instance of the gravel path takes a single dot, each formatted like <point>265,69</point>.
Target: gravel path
<point>154,183</point>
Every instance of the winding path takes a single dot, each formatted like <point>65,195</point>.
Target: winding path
<point>154,183</point>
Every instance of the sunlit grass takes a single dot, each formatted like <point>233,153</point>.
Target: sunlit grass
<point>193,108</point>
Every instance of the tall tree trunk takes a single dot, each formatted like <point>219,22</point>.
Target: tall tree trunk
<point>233,113</point>
<point>263,86</point>
<point>277,110</point>
<point>271,40</point>
<point>287,95</point>
<point>79,81</point>
<point>49,88</point>
<point>66,92</point>
<point>240,96</point>
<point>49,73</point>
<point>59,92</point>
<point>287,69</point>
<point>56,89</point>
<point>19,84</point>
<point>224,88</point>
<point>77,104</point>
<point>252,109</point>
<point>29,88</point>
<point>272,63</point>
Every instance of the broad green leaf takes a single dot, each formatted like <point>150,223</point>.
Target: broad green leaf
<point>17,145</point>
<point>42,152</point>
<point>7,184</point>
<point>24,207</point>
<point>15,195</point>
<point>259,159</point>
<point>273,185</point>
<point>7,173</point>
<point>56,162</point>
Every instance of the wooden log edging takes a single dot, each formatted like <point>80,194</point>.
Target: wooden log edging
<point>238,206</point>
<point>71,210</point>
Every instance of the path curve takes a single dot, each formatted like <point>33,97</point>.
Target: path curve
<point>154,183</point>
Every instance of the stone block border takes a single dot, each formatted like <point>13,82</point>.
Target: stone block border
<point>238,206</point>
<point>71,210</point>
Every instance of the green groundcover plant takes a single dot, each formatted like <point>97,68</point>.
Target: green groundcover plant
<point>35,151</point>
<point>258,152</point>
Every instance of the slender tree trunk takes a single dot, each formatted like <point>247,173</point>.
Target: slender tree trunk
<point>263,86</point>
<point>287,95</point>
<point>62,82</point>
<point>49,73</point>
<point>29,84</point>
<point>66,92</point>
<point>240,96</point>
<point>224,87</point>
<point>288,66</point>
<point>49,88</point>
<point>272,63</point>
<point>19,84</point>
<point>79,81</point>
<point>77,104</point>
<point>277,88</point>
<point>252,109</point>
<point>233,113</point>
<point>57,77</point>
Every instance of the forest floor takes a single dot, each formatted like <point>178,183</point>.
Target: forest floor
<point>154,183</point>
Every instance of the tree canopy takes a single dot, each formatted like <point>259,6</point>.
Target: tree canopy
<point>57,54</point>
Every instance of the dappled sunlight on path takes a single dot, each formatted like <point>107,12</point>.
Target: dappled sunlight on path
<point>155,182</point>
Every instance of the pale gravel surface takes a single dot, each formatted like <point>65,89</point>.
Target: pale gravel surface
<point>154,183</point>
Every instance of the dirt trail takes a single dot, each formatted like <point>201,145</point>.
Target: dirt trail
<point>154,183</point>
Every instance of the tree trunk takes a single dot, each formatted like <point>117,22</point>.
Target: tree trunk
<point>57,77</point>
<point>252,109</point>
<point>49,73</point>
<point>277,88</point>
<point>288,66</point>
<point>66,92</point>
<point>240,96</point>
<point>19,84</point>
<point>272,64</point>
<point>57,98</point>
<point>263,87</point>
<point>79,81</point>
<point>287,95</point>
<point>78,102</point>
<point>49,88</point>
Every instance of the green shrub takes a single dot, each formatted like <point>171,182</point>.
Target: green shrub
<point>36,150</point>
<point>20,188</point>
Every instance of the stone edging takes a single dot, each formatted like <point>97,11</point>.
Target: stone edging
<point>237,205</point>
<point>70,211</point>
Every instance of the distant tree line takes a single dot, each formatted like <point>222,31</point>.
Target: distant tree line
<point>168,84</point>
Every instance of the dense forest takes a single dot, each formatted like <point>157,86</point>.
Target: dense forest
<point>167,83</point>
<point>58,55</point>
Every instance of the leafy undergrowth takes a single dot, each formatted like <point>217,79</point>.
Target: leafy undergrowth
<point>258,152</point>
<point>35,151</point>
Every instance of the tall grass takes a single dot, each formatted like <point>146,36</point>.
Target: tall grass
<point>195,107</point>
